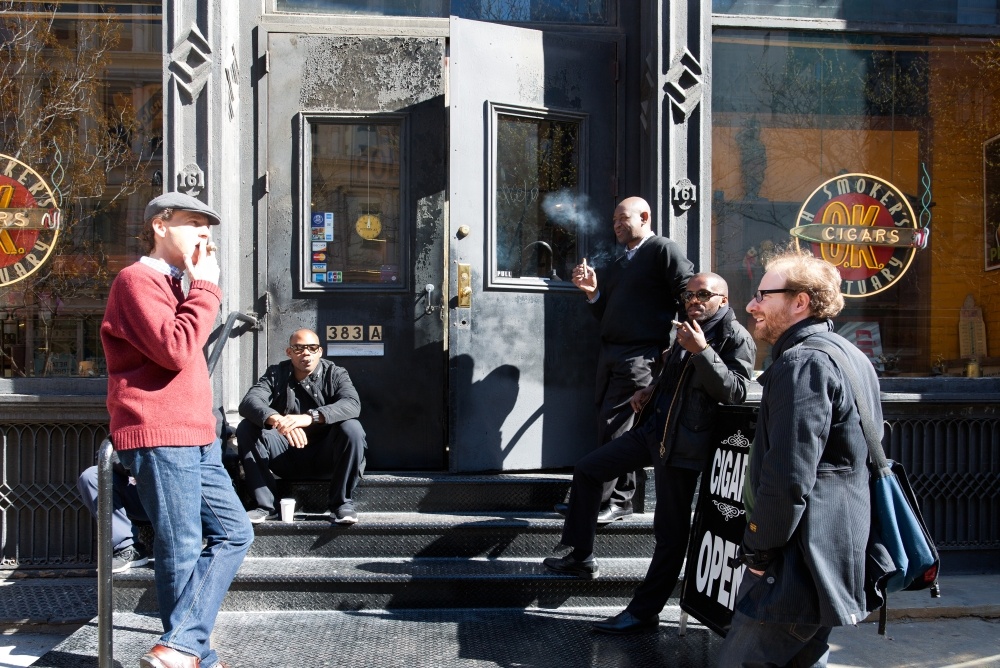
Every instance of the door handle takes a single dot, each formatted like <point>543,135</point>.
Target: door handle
<point>464,285</point>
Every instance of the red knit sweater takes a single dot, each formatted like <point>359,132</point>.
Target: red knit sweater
<point>159,392</point>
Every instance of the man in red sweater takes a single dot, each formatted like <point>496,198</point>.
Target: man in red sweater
<point>163,428</point>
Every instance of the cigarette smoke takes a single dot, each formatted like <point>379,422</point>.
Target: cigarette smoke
<point>570,209</point>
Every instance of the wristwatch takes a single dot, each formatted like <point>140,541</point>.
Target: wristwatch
<point>315,415</point>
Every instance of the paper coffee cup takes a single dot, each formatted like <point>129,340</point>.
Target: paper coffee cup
<point>288,510</point>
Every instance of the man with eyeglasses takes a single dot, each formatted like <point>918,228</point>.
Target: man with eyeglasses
<point>301,421</point>
<point>709,364</point>
<point>806,487</point>
<point>636,300</point>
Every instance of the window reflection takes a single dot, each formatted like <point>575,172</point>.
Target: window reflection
<point>353,235</point>
<point>81,106</point>
<point>537,162</point>
<point>793,110</point>
<point>589,12</point>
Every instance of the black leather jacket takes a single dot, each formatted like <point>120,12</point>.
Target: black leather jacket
<point>719,375</point>
<point>329,386</point>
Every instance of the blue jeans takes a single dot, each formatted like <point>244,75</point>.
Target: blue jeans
<point>753,643</point>
<point>191,580</point>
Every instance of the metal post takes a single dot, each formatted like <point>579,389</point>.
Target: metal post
<point>213,357</point>
<point>105,612</point>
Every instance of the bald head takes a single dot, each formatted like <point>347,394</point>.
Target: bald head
<point>632,221</point>
<point>304,335</point>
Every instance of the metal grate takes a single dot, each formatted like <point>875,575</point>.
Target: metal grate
<point>954,467</point>
<point>42,520</point>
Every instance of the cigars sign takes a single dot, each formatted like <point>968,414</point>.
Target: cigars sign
<point>29,220</point>
<point>864,226</point>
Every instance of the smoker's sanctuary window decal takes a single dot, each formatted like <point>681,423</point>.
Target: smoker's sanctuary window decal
<point>864,226</point>
<point>29,221</point>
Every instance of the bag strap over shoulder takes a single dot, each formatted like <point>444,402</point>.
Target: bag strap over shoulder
<point>872,433</point>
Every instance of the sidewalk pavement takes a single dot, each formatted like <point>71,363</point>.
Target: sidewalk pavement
<point>958,630</point>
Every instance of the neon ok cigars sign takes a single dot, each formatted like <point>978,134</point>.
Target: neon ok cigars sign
<point>29,221</point>
<point>864,226</point>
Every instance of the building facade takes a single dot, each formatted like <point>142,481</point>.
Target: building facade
<point>415,179</point>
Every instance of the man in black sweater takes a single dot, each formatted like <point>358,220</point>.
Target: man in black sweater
<point>636,301</point>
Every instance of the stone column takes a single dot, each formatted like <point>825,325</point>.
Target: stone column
<point>201,153</point>
<point>682,126</point>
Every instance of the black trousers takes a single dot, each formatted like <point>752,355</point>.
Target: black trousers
<point>621,371</point>
<point>337,450</point>
<point>671,524</point>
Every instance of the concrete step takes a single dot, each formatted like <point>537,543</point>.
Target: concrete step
<point>437,492</point>
<point>403,534</point>
<point>265,584</point>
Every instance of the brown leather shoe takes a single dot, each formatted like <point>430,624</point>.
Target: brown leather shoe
<point>162,656</point>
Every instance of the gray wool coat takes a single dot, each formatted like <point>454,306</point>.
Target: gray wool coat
<point>808,485</point>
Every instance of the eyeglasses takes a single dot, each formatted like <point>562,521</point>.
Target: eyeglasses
<point>702,295</point>
<point>305,347</point>
<point>760,294</point>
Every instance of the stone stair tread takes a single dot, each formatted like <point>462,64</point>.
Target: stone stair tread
<point>325,570</point>
<point>416,520</point>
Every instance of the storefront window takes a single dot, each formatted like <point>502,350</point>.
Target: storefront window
<point>877,150</point>
<point>538,205</point>
<point>353,236</point>
<point>589,12</point>
<point>962,12</point>
<point>80,108</point>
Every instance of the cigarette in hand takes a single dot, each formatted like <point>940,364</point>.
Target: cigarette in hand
<point>211,247</point>
<point>677,324</point>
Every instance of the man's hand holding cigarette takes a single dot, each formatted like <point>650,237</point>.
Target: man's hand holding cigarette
<point>585,278</point>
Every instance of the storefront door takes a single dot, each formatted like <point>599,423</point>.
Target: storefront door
<point>533,154</point>
<point>351,241</point>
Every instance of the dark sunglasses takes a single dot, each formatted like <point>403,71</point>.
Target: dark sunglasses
<point>305,347</point>
<point>760,294</point>
<point>702,295</point>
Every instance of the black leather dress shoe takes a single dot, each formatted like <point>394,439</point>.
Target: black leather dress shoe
<point>612,513</point>
<point>561,508</point>
<point>585,568</point>
<point>625,623</point>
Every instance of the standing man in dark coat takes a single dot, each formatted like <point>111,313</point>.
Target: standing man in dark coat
<point>301,421</point>
<point>636,301</point>
<point>806,490</point>
<point>709,364</point>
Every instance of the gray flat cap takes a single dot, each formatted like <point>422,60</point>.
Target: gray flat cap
<point>180,202</point>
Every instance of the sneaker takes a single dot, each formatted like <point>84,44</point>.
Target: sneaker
<point>258,515</point>
<point>127,557</point>
<point>346,514</point>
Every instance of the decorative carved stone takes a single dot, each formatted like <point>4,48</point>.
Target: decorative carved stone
<point>684,85</point>
<point>683,195</point>
<point>191,180</point>
<point>191,64</point>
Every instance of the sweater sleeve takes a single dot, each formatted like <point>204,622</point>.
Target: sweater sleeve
<point>171,333</point>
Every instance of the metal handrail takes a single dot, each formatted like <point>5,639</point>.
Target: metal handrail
<point>213,357</point>
<point>105,494</point>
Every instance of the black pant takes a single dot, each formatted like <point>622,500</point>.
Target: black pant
<point>671,524</point>
<point>621,371</point>
<point>336,449</point>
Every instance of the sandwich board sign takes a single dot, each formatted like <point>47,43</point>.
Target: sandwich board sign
<point>711,583</point>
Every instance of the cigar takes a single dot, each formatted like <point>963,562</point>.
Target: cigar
<point>211,247</point>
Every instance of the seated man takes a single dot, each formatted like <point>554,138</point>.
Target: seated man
<point>300,421</point>
<point>127,549</point>
<point>708,364</point>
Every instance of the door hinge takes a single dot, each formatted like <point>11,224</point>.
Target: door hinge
<point>616,69</point>
<point>267,182</point>
<point>267,61</point>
